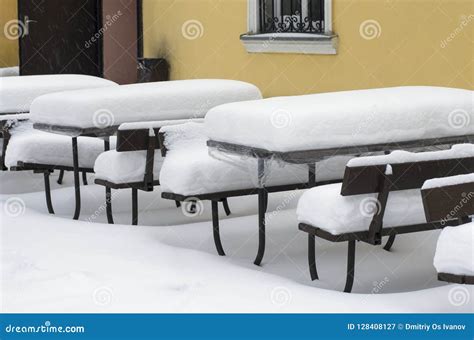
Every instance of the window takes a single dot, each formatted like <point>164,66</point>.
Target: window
<point>290,26</point>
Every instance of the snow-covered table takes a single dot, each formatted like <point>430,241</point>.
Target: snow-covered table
<point>18,93</point>
<point>99,112</point>
<point>310,128</point>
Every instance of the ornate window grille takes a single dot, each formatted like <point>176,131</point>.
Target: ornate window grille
<point>292,16</point>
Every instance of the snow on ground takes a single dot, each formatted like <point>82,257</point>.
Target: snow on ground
<point>169,264</point>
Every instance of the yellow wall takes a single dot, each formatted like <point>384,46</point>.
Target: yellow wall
<point>8,46</point>
<point>408,51</point>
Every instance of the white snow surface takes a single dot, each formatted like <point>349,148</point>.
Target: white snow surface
<point>125,167</point>
<point>181,99</point>
<point>447,181</point>
<point>13,71</point>
<point>18,93</point>
<point>29,145</point>
<point>455,250</point>
<point>168,264</point>
<point>399,156</point>
<point>325,208</point>
<point>189,169</point>
<point>349,118</point>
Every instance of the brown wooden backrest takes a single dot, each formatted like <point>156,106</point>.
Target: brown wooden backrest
<point>136,140</point>
<point>448,202</point>
<point>404,176</point>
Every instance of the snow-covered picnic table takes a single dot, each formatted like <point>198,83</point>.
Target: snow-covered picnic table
<point>310,128</point>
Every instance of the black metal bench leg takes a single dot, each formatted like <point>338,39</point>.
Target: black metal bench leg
<point>312,257</point>
<point>108,205</point>
<point>215,226</point>
<point>350,266</point>
<point>262,202</point>
<point>77,183</point>
<point>61,177</point>
<point>390,241</point>
<point>84,178</point>
<point>47,191</point>
<point>178,204</point>
<point>225,204</point>
<point>134,206</point>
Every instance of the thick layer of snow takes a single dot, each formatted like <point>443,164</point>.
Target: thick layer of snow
<point>156,124</point>
<point>15,117</point>
<point>397,157</point>
<point>324,207</point>
<point>10,71</point>
<point>169,264</point>
<point>347,118</point>
<point>29,145</point>
<point>125,167</point>
<point>17,93</point>
<point>140,102</point>
<point>190,170</point>
<point>447,181</point>
<point>455,250</point>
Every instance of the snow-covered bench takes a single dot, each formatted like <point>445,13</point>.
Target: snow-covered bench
<point>379,196</point>
<point>310,128</point>
<point>450,198</point>
<point>189,173</point>
<point>136,162</point>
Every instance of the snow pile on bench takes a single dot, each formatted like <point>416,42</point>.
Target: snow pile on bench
<point>397,157</point>
<point>10,71</point>
<point>17,93</point>
<point>455,251</point>
<point>140,102</point>
<point>28,145</point>
<point>325,208</point>
<point>349,118</point>
<point>190,170</point>
<point>447,181</point>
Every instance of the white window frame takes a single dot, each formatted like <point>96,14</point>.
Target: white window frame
<point>255,42</point>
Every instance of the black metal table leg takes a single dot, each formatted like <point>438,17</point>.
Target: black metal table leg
<point>134,206</point>
<point>77,183</point>
<point>261,211</point>
<point>225,204</point>
<point>312,257</point>
<point>390,241</point>
<point>61,177</point>
<point>47,190</point>
<point>108,191</point>
<point>350,266</point>
<point>84,178</point>
<point>311,175</point>
<point>215,226</point>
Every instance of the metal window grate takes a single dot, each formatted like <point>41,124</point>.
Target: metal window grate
<point>291,16</point>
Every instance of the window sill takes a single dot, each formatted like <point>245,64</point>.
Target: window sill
<point>299,43</point>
